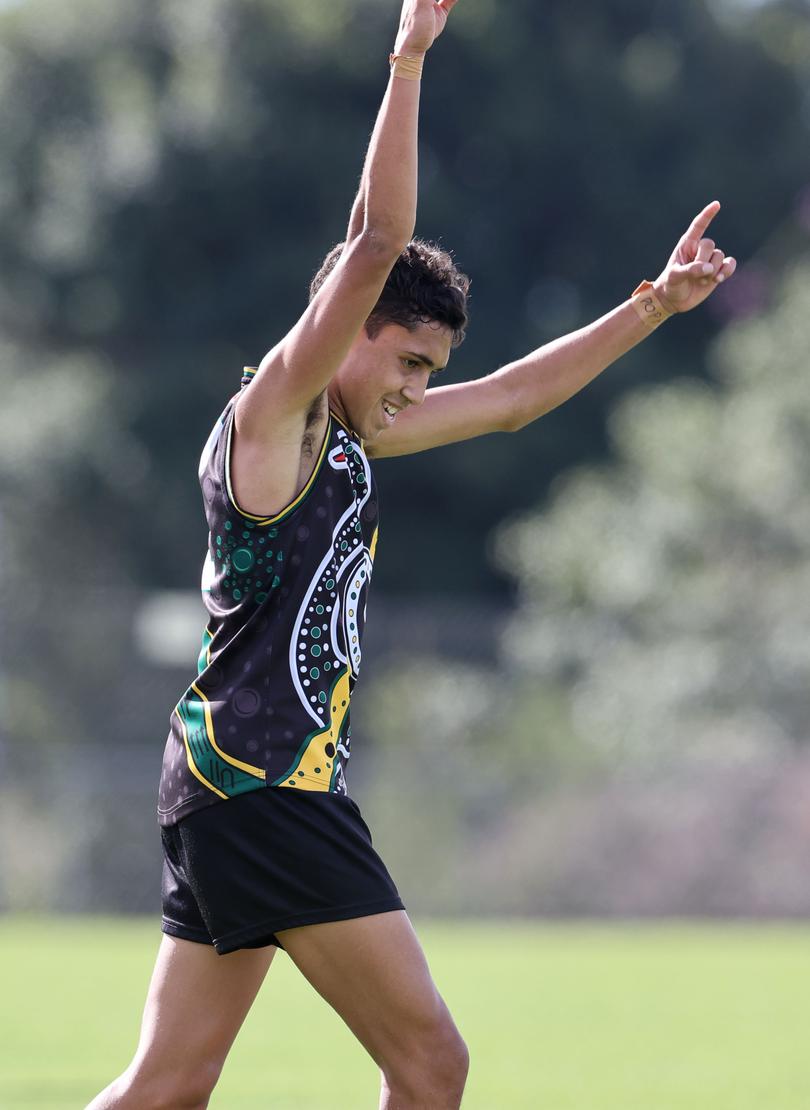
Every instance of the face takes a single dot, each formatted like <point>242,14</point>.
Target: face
<point>382,376</point>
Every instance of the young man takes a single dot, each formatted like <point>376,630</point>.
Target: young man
<point>263,846</point>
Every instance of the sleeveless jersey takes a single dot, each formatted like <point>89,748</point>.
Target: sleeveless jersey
<point>281,651</point>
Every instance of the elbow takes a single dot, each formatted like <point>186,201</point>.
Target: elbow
<point>513,414</point>
<point>506,401</point>
<point>521,418</point>
<point>522,411</point>
<point>372,255</point>
<point>383,242</point>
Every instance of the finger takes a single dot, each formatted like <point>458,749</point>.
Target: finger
<point>446,5</point>
<point>690,271</point>
<point>717,258</point>
<point>697,228</point>
<point>726,270</point>
<point>704,250</point>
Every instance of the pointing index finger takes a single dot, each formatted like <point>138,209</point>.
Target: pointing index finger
<point>698,226</point>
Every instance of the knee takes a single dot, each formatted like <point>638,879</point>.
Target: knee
<point>181,1088</point>
<point>454,1060</point>
<point>455,1064</point>
<point>452,1066</point>
<point>431,1070</point>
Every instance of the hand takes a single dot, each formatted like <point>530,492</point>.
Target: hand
<point>421,23</point>
<point>696,268</point>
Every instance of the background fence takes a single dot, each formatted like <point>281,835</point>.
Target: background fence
<point>468,821</point>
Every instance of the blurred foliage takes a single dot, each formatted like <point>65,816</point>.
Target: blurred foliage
<point>175,172</point>
<point>464,749</point>
<point>667,594</point>
<point>642,745</point>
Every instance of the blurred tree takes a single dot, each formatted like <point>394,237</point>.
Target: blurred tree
<point>667,594</point>
<point>174,174</point>
<point>643,745</point>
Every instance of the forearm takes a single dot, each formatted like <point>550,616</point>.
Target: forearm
<point>386,200</point>
<point>541,381</point>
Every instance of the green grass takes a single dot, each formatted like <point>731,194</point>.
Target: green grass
<point>566,1017</point>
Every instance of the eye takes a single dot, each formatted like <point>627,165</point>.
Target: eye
<point>411,363</point>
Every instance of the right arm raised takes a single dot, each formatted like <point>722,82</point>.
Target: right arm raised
<point>299,368</point>
<point>267,468</point>
<point>303,363</point>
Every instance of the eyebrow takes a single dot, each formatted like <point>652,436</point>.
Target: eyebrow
<point>424,360</point>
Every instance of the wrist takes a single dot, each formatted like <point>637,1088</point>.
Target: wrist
<point>659,290</point>
<point>649,308</point>
<point>408,66</point>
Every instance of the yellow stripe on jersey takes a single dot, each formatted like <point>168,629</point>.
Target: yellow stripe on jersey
<point>259,772</point>
<point>313,769</point>
<point>266,520</point>
<point>192,766</point>
<point>337,420</point>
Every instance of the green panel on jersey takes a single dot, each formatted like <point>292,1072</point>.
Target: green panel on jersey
<point>212,767</point>
<point>202,661</point>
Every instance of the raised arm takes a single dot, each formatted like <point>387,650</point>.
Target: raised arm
<point>412,41</point>
<point>270,416</point>
<point>519,393</point>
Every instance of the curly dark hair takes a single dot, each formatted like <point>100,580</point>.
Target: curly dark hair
<point>424,286</point>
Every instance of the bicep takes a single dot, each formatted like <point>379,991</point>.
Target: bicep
<point>448,414</point>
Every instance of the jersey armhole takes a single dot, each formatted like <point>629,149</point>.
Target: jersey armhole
<point>277,518</point>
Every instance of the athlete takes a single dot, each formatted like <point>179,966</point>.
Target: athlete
<point>263,846</point>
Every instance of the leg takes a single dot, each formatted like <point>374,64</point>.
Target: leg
<point>373,972</point>
<point>196,1004</point>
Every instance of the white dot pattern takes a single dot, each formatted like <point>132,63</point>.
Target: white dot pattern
<point>307,582</point>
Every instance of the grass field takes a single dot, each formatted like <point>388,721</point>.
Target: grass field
<point>561,1017</point>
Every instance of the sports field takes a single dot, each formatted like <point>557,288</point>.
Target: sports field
<point>561,1017</point>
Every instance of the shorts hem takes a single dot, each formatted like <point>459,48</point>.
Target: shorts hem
<point>184,932</point>
<point>231,941</point>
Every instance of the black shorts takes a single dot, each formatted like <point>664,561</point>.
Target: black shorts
<point>238,872</point>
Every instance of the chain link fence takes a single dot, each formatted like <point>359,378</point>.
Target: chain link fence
<point>78,833</point>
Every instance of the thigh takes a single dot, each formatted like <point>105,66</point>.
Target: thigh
<point>373,972</point>
<point>196,1004</point>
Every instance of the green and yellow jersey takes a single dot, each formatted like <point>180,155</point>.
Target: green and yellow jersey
<point>286,600</point>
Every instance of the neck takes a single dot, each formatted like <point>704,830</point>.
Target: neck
<point>336,404</point>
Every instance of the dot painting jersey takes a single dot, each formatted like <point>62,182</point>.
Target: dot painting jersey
<point>280,655</point>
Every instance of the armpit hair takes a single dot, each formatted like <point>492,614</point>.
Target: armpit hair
<point>314,416</point>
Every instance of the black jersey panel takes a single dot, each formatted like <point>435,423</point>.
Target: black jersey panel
<point>282,647</point>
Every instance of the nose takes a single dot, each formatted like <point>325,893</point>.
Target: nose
<point>414,388</point>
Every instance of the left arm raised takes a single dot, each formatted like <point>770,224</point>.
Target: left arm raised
<point>517,394</point>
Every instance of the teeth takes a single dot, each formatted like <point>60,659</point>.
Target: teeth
<point>389,410</point>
